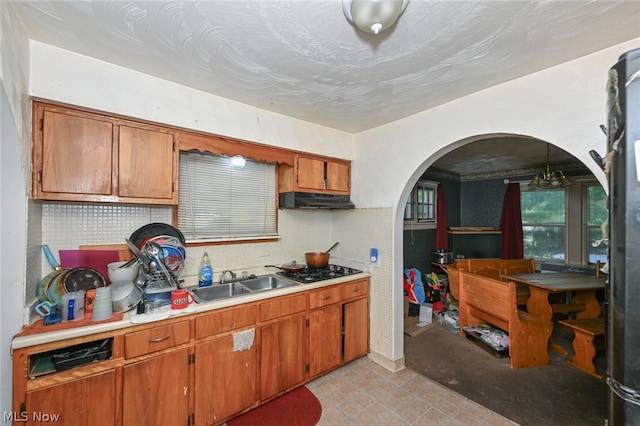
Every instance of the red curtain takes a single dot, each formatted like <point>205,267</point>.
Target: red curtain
<point>442,238</point>
<point>511,224</point>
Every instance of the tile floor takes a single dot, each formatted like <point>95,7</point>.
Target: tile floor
<point>364,393</point>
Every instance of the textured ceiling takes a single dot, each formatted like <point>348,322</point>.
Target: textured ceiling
<point>305,60</point>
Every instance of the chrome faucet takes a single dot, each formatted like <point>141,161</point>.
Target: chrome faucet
<point>224,274</point>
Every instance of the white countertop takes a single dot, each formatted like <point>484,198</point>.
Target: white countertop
<point>81,331</point>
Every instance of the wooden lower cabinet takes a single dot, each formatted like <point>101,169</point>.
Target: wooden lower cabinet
<point>82,402</point>
<point>225,379</point>
<point>156,391</point>
<point>325,339</point>
<point>283,355</point>
<point>356,329</point>
<point>194,370</point>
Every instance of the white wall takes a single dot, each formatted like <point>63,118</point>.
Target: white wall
<point>563,105</point>
<point>13,169</point>
<point>64,76</point>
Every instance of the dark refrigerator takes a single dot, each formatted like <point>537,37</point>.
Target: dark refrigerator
<point>622,295</point>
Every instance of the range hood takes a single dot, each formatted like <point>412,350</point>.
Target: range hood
<point>305,200</point>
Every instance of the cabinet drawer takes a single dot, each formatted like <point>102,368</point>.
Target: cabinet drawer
<point>283,306</point>
<point>325,296</point>
<point>226,320</point>
<point>156,339</point>
<point>355,289</point>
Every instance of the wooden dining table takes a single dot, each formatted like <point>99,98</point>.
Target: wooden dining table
<point>583,289</point>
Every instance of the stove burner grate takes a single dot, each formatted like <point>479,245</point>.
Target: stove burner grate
<point>309,275</point>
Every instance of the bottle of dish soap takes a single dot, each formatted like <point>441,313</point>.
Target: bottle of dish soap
<point>206,271</point>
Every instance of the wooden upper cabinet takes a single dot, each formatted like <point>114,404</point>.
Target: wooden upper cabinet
<point>311,174</point>
<point>74,154</point>
<point>315,174</point>
<point>339,176</point>
<point>84,156</point>
<point>145,163</point>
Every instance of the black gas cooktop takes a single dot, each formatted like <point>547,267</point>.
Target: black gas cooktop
<point>310,275</point>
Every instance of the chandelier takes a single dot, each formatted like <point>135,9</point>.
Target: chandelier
<point>549,179</point>
<point>373,16</point>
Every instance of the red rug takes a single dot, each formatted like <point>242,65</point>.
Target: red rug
<point>300,407</point>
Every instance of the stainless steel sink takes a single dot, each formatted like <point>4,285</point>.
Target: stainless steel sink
<point>267,282</point>
<point>218,291</point>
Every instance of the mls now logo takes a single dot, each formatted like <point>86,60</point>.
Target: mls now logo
<point>36,416</point>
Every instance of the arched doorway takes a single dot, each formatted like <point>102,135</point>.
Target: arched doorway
<point>483,191</point>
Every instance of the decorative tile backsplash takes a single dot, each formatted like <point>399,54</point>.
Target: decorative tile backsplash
<point>69,225</point>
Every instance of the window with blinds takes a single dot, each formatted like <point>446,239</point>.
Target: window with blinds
<point>217,202</point>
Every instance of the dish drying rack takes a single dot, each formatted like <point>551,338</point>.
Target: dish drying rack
<point>162,260</point>
<point>163,278</point>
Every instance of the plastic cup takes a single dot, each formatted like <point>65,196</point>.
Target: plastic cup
<point>102,307</point>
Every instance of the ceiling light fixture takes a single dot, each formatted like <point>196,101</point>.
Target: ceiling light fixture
<point>373,16</point>
<point>548,179</point>
<point>237,162</point>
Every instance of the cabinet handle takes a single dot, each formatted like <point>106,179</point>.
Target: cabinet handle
<point>159,339</point>
<point>356,290</point>
<point>325,298</point>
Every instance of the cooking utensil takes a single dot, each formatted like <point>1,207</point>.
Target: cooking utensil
<point>318,259</point>
<point>83,279</point>
<point>63,281</point>
<point>141,235</point>
<point>442,256</point>
<point>46,281</point>
<point>291,267</point>
<point>125,295</point>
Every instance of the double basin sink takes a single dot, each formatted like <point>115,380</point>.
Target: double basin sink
<point>238,288</point>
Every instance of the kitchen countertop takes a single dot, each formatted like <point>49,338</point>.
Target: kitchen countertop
<point>23,341</point>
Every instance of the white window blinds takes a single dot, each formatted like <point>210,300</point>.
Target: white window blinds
<point>217,202</point>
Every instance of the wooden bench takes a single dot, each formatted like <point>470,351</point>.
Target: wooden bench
<point>585,330</point>
<point>487,300</point>
<point>492,268</point>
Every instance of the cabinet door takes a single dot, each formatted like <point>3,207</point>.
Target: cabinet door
<point>83,402</point>
<point>145,164</point>
<point>283,355</point>
<point>155,391</point>
<point>338,177</point>
<point>310,173</point>
<point>74,155</point>
<point>225,379</point>
<point>356,329</point>
<point>325,339</point>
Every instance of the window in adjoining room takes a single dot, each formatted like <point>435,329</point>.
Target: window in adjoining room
<point>544,223</point>
<point>595,223</point>
<point>420,210</point>
<point>566,225</point>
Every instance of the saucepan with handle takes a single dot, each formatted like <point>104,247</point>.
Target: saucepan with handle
<point>318,259</point>
<point>62,281</point>
<point>46,281</point>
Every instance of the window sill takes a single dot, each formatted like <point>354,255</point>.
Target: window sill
<point>417,226</point>
<point>238,240</point>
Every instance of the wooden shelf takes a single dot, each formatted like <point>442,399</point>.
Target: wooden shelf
<point>475,232</point>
